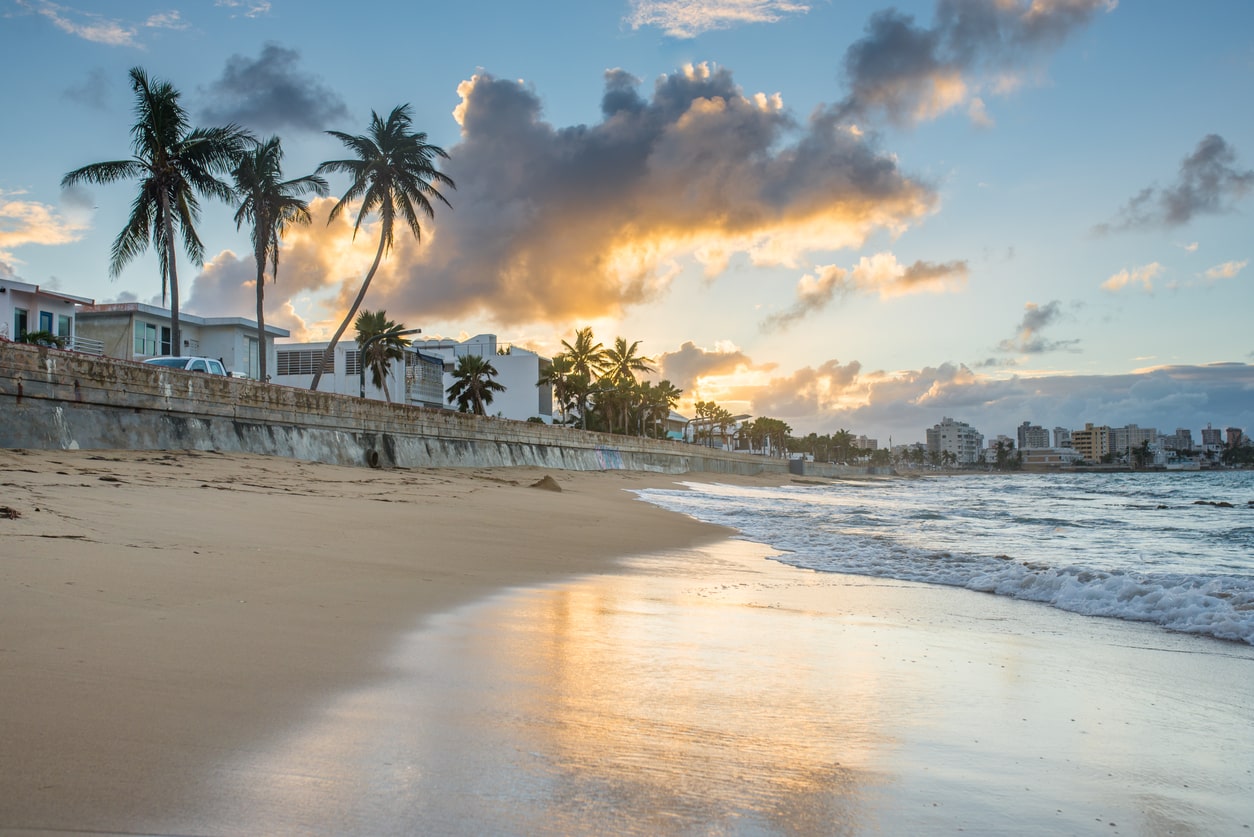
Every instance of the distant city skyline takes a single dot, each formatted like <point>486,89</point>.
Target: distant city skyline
<point>855,215</point>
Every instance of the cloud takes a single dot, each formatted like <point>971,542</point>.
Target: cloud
<point>1227,270</point>
<point>271,94</point>
<point>686,367</point>
<point>903,404</point>
<point>93,90</point>
<point>562,224</point>
<point>30,222</point>
<point>881,274</point>
<point>912,73</point>
<point>250,8</point>
<point>86,25</point>
<point>1028,339</point>
<point>1208,184</point>
<point>1142,276</point>
<point>690,18</point>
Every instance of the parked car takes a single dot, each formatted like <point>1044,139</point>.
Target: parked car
<point>208,365</point>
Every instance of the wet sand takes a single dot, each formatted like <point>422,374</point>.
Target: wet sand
<point>199,644</point>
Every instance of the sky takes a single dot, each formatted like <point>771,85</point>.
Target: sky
<point>843,214</point>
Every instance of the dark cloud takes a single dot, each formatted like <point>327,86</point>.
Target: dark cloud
<point>1028,338</point>
<point>911,73</point>
<point>558,224</point>
<point>814,293</point>
<point>1208,184</point>
<point>270,94</point>
<point>92,91</point>
<point>903,404</point>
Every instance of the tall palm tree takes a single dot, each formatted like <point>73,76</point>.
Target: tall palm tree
<point>384,350</point>
<point>474,384</point>
<point>174,164</point>
<point>270,205</point>
<point>622,362</point>
<point>587,356</point>
<point>393,174</point>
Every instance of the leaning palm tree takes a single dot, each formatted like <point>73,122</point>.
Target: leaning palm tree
<point>270,205</point>
<point>474,384</point>
<point>174,164</point>
<point>388,346</point>
<point>393,174</point>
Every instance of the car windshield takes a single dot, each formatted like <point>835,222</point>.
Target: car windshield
<point>174,362</point>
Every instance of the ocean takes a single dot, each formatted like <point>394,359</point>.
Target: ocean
<point>1147,547</point>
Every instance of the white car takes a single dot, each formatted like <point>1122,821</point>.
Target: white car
<point>208,365</point>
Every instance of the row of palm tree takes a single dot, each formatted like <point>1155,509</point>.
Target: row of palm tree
<point>599,384</point>
<point>392,171</point>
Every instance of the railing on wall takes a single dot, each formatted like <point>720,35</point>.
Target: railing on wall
<point>86,345</point>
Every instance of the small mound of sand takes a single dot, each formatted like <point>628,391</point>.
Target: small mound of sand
<point>547,483</point>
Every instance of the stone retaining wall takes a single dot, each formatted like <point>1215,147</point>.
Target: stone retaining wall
<point>59,400</point>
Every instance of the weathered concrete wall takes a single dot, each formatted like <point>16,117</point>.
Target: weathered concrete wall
<point>52,399</point>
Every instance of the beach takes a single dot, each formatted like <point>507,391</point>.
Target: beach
<point>194,643</point>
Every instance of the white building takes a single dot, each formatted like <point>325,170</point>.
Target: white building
<point>958,438</point>
<point>27,308</point>
<point>136,331</point>
<point>425,376</point>
<point>1032,436</point>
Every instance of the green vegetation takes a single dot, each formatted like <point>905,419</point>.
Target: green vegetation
<point>474,384</point>
<point>388,345</point>
<point>393,175</point>
<point>269,205</point>
<point>175,165</point>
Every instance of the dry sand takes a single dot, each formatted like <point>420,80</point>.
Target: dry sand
<point>193,643</point>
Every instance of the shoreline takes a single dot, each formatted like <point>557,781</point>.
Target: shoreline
<point>198,643</point>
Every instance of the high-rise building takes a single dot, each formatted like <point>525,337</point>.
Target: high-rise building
<point>1062,437</point>
<point>1212,436</point>
<point>1091,443</point>
<point>1032,436</point>
<point>1182,439</point>
<point>1125,439</point>
<point>955,437</point>
<point>1234,436</point>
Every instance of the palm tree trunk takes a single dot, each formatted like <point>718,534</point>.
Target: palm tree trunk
<point>348,318</point>
<point>176,334</point>
<point>261,315</point>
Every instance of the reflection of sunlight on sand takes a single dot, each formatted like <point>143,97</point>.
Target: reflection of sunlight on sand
<point>715,692</point>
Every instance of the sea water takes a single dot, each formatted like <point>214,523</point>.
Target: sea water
<point>1175,549</point>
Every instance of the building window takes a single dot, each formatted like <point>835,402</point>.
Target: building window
<point>65,326</point>
<point>45,321</point>
<point>302,362</point>
<point>20,322</point>
<point>352,363</point>
<point>166,343</point>
<point>146,339</point>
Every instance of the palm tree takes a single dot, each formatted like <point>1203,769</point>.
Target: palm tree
<point>658,401</point>
<point>174,163</point>
<point>622,362</point>
<point>393,175</point>
<point>587,358</point>
<point>474,385</point>
<point>558,375</point>
<point>270,205</point>
<point>385,349</point>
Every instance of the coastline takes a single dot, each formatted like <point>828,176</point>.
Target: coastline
<point>160,610</point>
<point>195,643</point>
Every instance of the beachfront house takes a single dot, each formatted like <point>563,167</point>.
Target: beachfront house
<point>136,331</point>
<point>27,308</point>
<point>426,374</point>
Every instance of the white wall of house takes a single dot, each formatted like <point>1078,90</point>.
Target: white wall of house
<point>136,331</point>
<point>517,370</point>
<point>26,308</point>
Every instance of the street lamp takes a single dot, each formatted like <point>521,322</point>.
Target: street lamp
<point>361,354</point>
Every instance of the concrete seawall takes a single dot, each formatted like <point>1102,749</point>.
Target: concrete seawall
<point>57,400</point>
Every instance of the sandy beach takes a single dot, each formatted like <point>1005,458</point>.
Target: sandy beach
<point>193,643</point>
